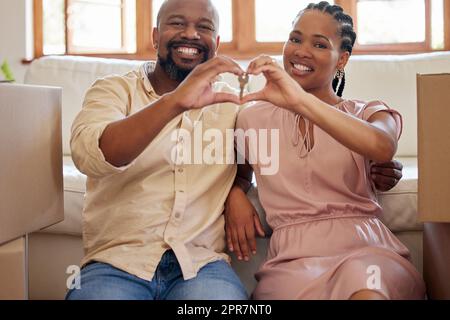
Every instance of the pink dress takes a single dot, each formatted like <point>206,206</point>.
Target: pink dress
<point>327,240</point>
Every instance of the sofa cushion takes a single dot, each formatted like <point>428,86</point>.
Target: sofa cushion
<point>74,189</point>
<point>75,75</point>
<point>399,204</point>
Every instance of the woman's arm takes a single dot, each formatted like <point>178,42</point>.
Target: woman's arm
<point>241,219</point>
<point>375,139</point>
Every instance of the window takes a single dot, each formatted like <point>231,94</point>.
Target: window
<point>122,28</point>
<point>280,16</point>
<point>101,26</point>
<point>54,27</point>
<point>89,26</point>
<point>437,20</point>
<point>388,22</point>
<point>399,25</point>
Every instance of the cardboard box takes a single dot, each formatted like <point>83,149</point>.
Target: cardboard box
<point>31,178</point>
<point>436,259</point>
<point>13,270</point>
<point>433,93</point>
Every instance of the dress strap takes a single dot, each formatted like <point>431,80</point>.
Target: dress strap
<point>296,134</point>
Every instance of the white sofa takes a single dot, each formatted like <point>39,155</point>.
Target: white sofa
<point>388,78</point>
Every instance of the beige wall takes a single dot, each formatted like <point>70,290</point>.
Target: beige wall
<point>16,30</point>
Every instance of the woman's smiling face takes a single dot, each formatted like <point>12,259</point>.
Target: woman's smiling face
<point>312,55</point>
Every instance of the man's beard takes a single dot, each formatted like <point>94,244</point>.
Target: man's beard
<point>170,67</point>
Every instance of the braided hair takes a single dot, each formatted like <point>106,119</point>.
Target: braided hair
<point>346,32</point>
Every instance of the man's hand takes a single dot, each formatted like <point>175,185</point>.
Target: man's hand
<point>196,90</point>
<point>386,175</point>
<point>241,221</point>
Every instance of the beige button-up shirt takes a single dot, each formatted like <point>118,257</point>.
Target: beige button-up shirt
<point>133,214</point>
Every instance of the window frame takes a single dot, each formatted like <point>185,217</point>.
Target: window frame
<point>144,48</point>
<point>244,44</point>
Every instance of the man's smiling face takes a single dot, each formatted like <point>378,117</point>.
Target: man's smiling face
<point>186,36</point>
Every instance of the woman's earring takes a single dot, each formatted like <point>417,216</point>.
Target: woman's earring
<point>340,74</point>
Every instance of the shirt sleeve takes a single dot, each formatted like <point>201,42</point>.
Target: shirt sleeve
<point>105,102</point>
<point>379,106</point>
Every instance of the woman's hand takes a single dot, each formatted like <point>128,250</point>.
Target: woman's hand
<point>280,89</point>
<point>241,222</point>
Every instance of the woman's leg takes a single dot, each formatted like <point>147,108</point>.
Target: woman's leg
<point>367,295</point>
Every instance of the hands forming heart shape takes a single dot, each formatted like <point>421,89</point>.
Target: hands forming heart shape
<point>280,89</point>
<point>243,80</point>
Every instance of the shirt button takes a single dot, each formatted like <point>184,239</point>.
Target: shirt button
<point>180,170</point>
<point>177,215</point>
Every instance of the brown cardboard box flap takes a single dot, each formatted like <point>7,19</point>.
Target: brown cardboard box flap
<point>433,94</point>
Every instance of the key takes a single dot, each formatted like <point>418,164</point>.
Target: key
<point>243,80</point>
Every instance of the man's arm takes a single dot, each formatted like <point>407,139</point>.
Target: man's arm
<point>124,140</point>
<point>386,175</point>
<point>243,178</point>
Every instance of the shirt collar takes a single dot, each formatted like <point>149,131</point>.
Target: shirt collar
<point>144,70</point>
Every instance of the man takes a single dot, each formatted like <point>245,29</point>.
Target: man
<point>152,225</point>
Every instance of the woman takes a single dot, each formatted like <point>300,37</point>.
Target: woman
<point>327,240</point>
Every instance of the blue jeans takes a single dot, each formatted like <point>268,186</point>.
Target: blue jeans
<point>215,281</point>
